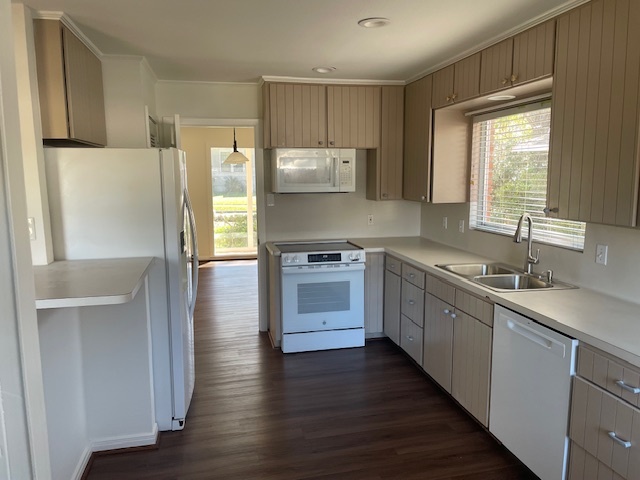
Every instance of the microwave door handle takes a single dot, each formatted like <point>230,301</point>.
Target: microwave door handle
<point>336,172</point>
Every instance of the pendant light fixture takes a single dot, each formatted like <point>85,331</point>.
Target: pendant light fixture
<point>236,157</point>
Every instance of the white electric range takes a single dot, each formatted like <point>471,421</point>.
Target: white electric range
<point>322,295</point>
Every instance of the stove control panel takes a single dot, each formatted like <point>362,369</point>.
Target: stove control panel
<point>322,258</point>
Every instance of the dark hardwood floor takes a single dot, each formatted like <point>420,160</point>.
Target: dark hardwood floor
<point>365,413</point>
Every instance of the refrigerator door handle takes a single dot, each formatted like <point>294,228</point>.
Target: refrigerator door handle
<point>194,257</point>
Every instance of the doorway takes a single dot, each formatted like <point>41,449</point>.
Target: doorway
<point>223,194</point>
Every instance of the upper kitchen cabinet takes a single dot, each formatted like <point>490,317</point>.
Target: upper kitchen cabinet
<point>353,115</point>
<point>295,115</point>
<point>520,59</point>
<point>457,82</point>
<point>593,161</point>
<point>70,87</point>
<point>417,140</point>
<point>384,164</point>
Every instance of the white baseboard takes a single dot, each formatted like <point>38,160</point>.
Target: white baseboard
<point>126,441</point>
<point>82,464</point>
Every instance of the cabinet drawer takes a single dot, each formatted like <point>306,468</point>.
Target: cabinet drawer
<point>411,339</point>
<point>475,306</point>
<point>610,374</point>
<point>412,302</point>
<point>393,265</point>
<point>596,416</point>
<point>583,466</point>
<point>442,290</point>
<point>413,275</point>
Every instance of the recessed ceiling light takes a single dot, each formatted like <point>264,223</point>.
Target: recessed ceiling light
<point>324,69</point>
<point>374,22</point>
<point>497,98</point>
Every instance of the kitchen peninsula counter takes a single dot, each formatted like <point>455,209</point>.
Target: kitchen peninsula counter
<point>82,283</point>
<point>605,322</point>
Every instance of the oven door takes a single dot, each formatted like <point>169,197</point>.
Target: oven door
<point>322,297</point>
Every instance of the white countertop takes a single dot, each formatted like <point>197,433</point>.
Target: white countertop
<point>605,322</point>
<point>82,283</point>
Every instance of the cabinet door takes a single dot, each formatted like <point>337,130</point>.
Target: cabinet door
<point>450,160</point>
<point>593,162</point>
<point>438,340</point>
<point>411,339</point>
<point>533,53</point>
<point>495,67</point>
<point>466,78</point>
<point>85,97</point>
<point>417,140</point>
<point>373,292</point>
<point>392,287</point>
<point>384,165</point>
<point>442,93</point>
<point>353,115</point>
<point>412,302</point>
<point>297,115</point>
<point>472,365</point>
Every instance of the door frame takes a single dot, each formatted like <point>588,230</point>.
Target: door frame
<point>260,196</point>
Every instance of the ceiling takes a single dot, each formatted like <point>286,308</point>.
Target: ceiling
<point>242,40</point>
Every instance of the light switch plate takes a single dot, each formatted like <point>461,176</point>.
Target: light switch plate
<point>369,219</point>
<point>601,254</point>
<point>461,226</point>
<point>444,222</point>
<point>271,200</point>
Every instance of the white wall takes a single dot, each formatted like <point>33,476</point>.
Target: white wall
<point>129,85</point>
<point>340,215</point>
<point>31,131</point>
<point>23,434</point>
<point>618,278</point>
<point>208,100</point>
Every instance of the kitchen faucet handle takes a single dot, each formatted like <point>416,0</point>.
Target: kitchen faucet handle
<point>536,259</point>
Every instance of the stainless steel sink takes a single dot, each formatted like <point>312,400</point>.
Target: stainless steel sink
<point>477,269</point>
<point>502,278</point>
<point>512,282</point>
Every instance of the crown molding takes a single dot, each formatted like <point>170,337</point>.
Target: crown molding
<point>67,22</point>
<point>327,81</point>
<point>202,82</point>
<point>565,7</point>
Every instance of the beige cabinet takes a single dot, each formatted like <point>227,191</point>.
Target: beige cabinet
<point>392,291</point>
<point>69,86</point>
<point>295,115</point>
<point>411,339</point>
<point>457,82</point>
<point>457,344</point>
<point>417,140</point>
<point>353,116</point>
<point>374,273</point>
<point>450,158</point>
<point>384,164</point>
<point>523,58</point>
<point>593,161</point>
<point>605,418</point>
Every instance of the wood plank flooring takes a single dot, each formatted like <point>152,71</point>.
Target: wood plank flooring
<point>365,413</point>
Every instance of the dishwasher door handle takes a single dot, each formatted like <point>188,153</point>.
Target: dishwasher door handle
<point>536,337</point>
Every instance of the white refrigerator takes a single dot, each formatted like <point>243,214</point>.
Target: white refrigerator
<point>113,203</point>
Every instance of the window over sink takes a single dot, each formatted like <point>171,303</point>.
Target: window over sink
<point>509,166</point>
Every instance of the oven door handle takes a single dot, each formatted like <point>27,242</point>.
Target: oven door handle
<point>352,267</point>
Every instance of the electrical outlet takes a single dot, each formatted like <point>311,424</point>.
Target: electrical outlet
<point>369,219</point>
<point>461,226</point>
<point>271,200</point>
<point>444,222</point>
<point>601,254</point>
<point>31,222</point>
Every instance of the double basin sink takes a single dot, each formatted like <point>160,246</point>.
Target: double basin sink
<point>502,278</point>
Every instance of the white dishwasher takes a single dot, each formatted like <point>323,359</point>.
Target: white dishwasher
<point>531,370</point>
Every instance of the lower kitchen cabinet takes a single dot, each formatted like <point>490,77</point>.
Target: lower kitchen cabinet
<point>373,294</point>
<point>411,339</point>
<point>392,290</point>
<point>438,340</point>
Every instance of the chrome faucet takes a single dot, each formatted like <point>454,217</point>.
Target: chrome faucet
<point>517,238</point>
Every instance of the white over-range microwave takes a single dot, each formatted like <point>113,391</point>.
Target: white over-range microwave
<point>311,170</point>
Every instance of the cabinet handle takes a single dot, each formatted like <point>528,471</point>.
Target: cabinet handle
<point>628,388</point>
<point>447,311</point>
<point>448,98</point>
<point>410,338</point>
<point>454,96</point>
<point>393,265</point>
<point>548,210</point>
<point>514,78</point>
<point>411,302</point>
<point>331,142</point>
<point>384,195</point>
<point>423,198</point>
<point>412,275</point>
<point>453,315</point>
<point>619,441</point>
<point>505,81</point>
<point>320,142</point>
